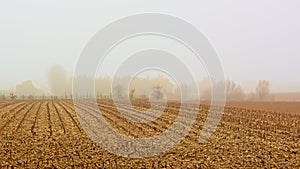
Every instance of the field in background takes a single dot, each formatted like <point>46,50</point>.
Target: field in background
<point>280,107</point>
<point>37,134</point>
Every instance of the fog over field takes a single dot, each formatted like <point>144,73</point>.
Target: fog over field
<point>255,40</point>
<point>149,84</point>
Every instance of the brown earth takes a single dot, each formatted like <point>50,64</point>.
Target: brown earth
<point>47,134</point>
<point>280,107</point>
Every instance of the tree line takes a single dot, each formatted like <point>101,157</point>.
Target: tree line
<point>234,91</point>
<point>60,87</point>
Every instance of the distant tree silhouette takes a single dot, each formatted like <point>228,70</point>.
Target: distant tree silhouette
<point>132,94</point>
<point>234,91</point>
<point>118,91</point>
<point>27,88</point>
<point>57,80</point>
<point>263,90</point>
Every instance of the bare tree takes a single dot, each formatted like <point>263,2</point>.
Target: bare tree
<point>234,91</point>
<point>263,90</point>
<point>118,91</point>
<point>57,80</point>
<point>132,94</point>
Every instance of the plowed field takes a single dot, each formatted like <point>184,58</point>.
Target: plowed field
<point>47,134</point>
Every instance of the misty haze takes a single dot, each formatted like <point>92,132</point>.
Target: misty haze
<point>149,84</point>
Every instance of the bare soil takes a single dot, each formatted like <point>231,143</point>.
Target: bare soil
<point>47,134</point>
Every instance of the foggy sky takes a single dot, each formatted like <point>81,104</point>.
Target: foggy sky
<point>254,39</point>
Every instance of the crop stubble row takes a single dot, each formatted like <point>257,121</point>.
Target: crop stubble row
<point>48,133</point>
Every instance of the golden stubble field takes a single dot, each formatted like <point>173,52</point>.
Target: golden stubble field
<point>47,134</point>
